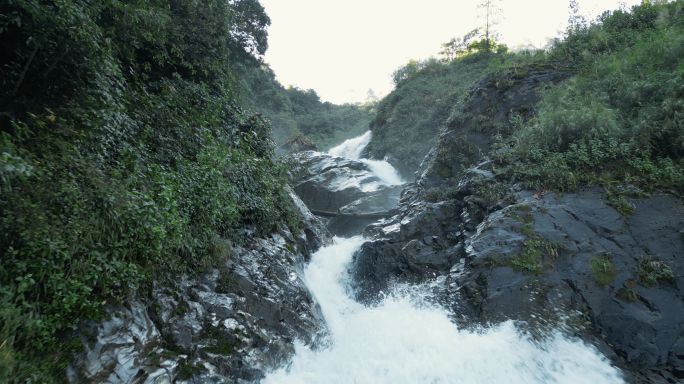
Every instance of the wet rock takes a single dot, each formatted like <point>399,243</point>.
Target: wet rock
<point>553,261</point>
<point>229,325</point>
<point>380,201</point>
<point>588,259</point>
<point>376,267</point>
<point>116,348</point>
<point>329,182</point>
<point>337,184</point>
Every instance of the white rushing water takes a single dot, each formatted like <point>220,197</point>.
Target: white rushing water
<point>398,342</point>
<point>353,148</point>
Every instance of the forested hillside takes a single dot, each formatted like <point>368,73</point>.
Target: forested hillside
<point>125,154</point>
<point>293,110</point>
<point>621,113</point>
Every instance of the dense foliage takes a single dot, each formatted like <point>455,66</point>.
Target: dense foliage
<point>427,95</point>
<point>622,117</point>
<point>293,110</point>
<point>124,152</point>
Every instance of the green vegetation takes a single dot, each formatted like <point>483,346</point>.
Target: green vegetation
<point>602,269</point>
<point>124,155</point>
<point>629,295</point>
<point>651,271</point>
<point>187,371</point>
<point>536,253</point>
<point>621,118</point>
<point>618,121</point>
<point>296,111</point>
<point>428,95</point>
<point>222,342</point>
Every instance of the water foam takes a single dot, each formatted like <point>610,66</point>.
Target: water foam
<point>352,148</point>
<point>399,342</point>
<point>384,171</point>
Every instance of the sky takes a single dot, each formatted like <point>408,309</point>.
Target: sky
<point>343,48</point>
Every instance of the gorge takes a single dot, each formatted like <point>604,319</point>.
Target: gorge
<point>171,213</point>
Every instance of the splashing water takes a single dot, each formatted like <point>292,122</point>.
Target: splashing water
<point>398,342</point>
<point>353,148</point>
<point>385,171</point>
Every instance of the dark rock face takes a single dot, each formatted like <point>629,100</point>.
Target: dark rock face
<point>337,184</point>
<point>579,236</point>
<point>493,104</point>
<point>420,242</point>
<point>229,325</point>
<point>569,261</point>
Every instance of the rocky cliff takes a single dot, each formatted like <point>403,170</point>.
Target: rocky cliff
<point>229,325</point>
<point>494,251</point>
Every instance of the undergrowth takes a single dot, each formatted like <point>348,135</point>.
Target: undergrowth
<point>621,118</point>
<point>124,156</point>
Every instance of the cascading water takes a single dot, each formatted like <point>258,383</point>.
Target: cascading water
<point>404,340</point>
<point>353,148</point>
<point>401,341</point>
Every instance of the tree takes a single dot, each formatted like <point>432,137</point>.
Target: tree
<point>575,19</point>
<point>492,15</point>
<point>459,46</point>
<point>248,38</point>
<point>462,46</point>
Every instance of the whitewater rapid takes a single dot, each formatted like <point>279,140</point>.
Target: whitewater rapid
<point>405,341</point>
<point>353,149</point>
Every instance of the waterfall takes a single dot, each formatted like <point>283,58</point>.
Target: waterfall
<point>405,341</point>
<point>353,148</point>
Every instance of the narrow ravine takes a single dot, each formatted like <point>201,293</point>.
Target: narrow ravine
<point>407,340</point>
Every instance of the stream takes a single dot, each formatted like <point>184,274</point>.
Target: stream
<point>405,339</point>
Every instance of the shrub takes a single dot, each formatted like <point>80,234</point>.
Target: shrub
<point>651,271</point>
<point>602,269</point>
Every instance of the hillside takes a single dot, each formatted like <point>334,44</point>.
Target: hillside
<point>125,155</point>
<point>148,232</point>
<point>624,101</point>
<point>296,111</point>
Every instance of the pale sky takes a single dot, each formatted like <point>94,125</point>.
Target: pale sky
<point>342,48</point>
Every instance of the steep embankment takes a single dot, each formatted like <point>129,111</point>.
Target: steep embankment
<point>428,96</point>
<point>135,193</point>
<point>601,260</point>
<point>236,321</point>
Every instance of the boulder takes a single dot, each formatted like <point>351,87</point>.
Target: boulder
<point>340,185</point>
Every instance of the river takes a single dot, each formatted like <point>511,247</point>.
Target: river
<point>406,340</point>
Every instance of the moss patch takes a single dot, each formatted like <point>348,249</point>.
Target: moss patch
<point>603,270</point>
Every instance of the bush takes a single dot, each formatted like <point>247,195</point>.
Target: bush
<point>622,117</point>
<point>428,96</point>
